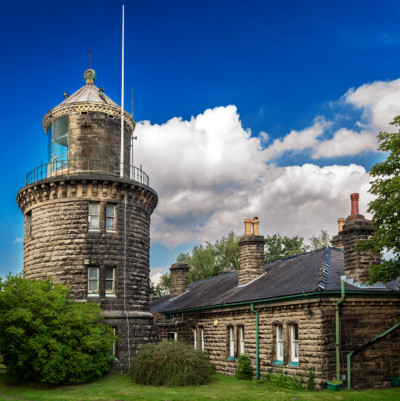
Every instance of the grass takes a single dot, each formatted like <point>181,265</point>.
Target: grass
<point>116,387</point>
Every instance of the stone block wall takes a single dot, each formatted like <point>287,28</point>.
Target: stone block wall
<point>361,320</point>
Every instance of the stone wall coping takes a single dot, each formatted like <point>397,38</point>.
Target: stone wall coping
<point>120,314</point>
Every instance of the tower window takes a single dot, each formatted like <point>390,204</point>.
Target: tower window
<point>172,336</point>
<point>58,145</point>
<point>28,224</point>
<point>110,217</point>
<point>93,280</point>
<point>94,221</point>
<point>110,280</point>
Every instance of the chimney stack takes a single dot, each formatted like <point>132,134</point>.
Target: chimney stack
<point>179,279</point>
<point>251,252</point>
<point>356,227</point>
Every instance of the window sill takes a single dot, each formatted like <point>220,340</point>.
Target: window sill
<point>230,358</point>
<point>111,232</point>
<point>293,364</point>
<point>277,363</point>
<point>94,230</point>
<point>93,295</point>
<point>111,296</point>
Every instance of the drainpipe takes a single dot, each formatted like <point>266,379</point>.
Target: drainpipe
<point>337,307</point>
<point>363,347</point>
<point>257,354</point>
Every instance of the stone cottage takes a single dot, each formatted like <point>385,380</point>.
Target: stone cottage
<point>295,315</point>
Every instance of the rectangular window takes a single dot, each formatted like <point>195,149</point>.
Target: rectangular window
<point>110,217</point>
<point>231,342</point>
<point>294,339</point>
<point>172,336</point>
<point>28,224</point>
<point>279,342</point>
<point>94,220</point>
<point>202,338</point>
<point>195,338</point>
<point>93,280</point>
<point>110,280</point>
<point>241,340</point>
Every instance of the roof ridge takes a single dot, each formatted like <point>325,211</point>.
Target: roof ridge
<point>323,273</point>
<point>294,256</point>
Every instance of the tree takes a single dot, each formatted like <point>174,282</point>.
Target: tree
<point>279,247</point>
<point>47,337</point>
<point>320,241</point>
<point>162,288</point>
<point>209,259</point>
<point>385,207</point>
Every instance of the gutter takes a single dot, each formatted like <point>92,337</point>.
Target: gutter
<point>362,348</point>
<point>257,351</point>
<point>337,310</point>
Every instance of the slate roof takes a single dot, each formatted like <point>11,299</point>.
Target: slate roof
<point>88,93</point>
<point>305,273</point>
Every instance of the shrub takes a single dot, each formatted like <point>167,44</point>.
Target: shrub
<point>47,337</point>
<point>280,380</point>
<point>244,370</point>
<point>171,364</point>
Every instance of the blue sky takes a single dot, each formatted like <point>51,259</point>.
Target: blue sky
<point>264,108</point>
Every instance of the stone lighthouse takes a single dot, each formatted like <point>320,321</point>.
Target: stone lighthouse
<point>87,214</point>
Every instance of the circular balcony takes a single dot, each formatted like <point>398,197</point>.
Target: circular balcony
<point>63,167</point>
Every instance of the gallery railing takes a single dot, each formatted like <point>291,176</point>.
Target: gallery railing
<point>72,167</point>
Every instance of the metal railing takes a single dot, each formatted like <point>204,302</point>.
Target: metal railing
<point>64,167</point>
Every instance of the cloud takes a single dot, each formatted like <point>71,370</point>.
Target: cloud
<point>379,102</point>
<point>211,174</point>
<point>18,240</point>
<point>345,143</point>
<point>297,141</point>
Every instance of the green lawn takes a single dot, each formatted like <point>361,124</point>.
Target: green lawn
<point>116,387</point>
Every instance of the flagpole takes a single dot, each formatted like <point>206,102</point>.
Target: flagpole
<point>122,97</point>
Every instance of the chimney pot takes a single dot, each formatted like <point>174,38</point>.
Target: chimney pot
<point>340,224</point>
<point>255,226</point>
<point>354,203</point>
<point>247,227</point>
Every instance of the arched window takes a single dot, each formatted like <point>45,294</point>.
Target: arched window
<point>58,144</point>
<point>241,340</point>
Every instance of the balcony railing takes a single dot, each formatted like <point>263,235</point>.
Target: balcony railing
<point>63,167</point>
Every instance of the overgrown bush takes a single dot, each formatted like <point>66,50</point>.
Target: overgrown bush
<point>171,364</point>
<point>280,380</point>
<point>47,337</point>
<point>244,371</point>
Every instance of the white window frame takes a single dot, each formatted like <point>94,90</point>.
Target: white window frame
<point>108,291</point>
<point>202,338</point>
<point>175,336</point>
<point>279,342</point>
<point>195,338</point>
<point>294,343</point>
<point>110,206</point>
<point>231,342</point>
<point>241,340</point>
<point>95,292</point>
<point>91,216</point>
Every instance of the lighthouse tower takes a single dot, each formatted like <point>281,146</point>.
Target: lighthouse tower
<point>87,214</point>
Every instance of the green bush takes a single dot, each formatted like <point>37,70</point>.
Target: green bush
<point>171,364</point>
<point>47,337</point>
<point>280,380</point>
<point>244,371</point>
